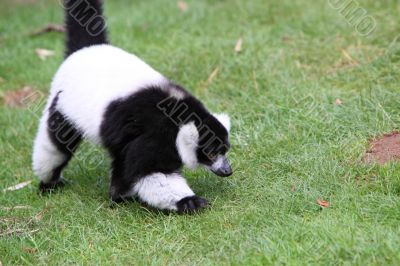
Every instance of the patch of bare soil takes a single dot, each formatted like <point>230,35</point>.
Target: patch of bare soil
<point>19,98</point>
<point>383,149</point>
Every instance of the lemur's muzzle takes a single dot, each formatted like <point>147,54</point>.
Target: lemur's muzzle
<point>221,167</point>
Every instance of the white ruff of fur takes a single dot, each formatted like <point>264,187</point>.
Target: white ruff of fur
<point>186,143</point>
<point>224,120</point>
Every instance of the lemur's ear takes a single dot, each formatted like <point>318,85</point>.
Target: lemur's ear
<point>187,142</point>
<point>224,120</point>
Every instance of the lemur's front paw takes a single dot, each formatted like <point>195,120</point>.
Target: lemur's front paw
<point>47,187</point>
<point>191,204</point>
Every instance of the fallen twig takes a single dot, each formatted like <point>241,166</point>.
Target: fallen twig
<point>213,75</point>
<point>49,28</point>
<point>17,231</point>
<point>238,46</point>
<point>18,207</point>
<point>18,186</point>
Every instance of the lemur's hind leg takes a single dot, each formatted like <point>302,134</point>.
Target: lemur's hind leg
<point>54,145</point>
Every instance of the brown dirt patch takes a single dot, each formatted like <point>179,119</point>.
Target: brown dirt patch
<point>383,149</point>
<point>20,98</point>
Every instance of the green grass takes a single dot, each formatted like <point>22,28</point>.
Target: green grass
<point>287,133</point>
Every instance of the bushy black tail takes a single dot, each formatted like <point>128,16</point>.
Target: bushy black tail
<point>85,24</point>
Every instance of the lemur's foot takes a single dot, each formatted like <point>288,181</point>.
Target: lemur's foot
<point>47,187</point>
<point>191,204</point>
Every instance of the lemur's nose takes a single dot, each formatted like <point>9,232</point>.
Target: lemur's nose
<point>222,167</point>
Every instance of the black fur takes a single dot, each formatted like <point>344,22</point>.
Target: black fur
<point>47,187</point>
<point>85,24</point>
<point>141,137</point>
<point>66,138</point>
<point>62,133</point>
<point>191,204</point>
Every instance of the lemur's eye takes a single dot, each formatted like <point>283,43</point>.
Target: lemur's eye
<point>212,156</point>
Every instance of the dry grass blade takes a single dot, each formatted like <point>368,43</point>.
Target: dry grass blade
<point>39,216</point>
<point>29,250</point>
<point>18,186</point>
<point>18,207</point>
<point>7,220</point>
<point>213,75</point>
<point>255,82</point>
<point>18,231</point>
<point>20,225</point>
<point>49,28</point>
<point>44,53</point>
<point>348,57</point>
<point>183,6</point>
<point>238,46</point>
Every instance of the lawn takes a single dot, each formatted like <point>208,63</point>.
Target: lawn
<point>306,93</point>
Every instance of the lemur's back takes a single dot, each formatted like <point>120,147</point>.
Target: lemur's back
<point>93,77</point>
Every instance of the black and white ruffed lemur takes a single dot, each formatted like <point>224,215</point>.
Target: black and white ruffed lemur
<point>150,126</point>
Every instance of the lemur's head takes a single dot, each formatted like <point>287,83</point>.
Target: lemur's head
<point>206,143</point>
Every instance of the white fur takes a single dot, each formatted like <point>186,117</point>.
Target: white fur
<point>224,120</point>
<point>46,157</point>
<point>218,163</point>
<point>173,92</point>
<point>93,77</point>
<point>186,143</point>
<point>162,191</point>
